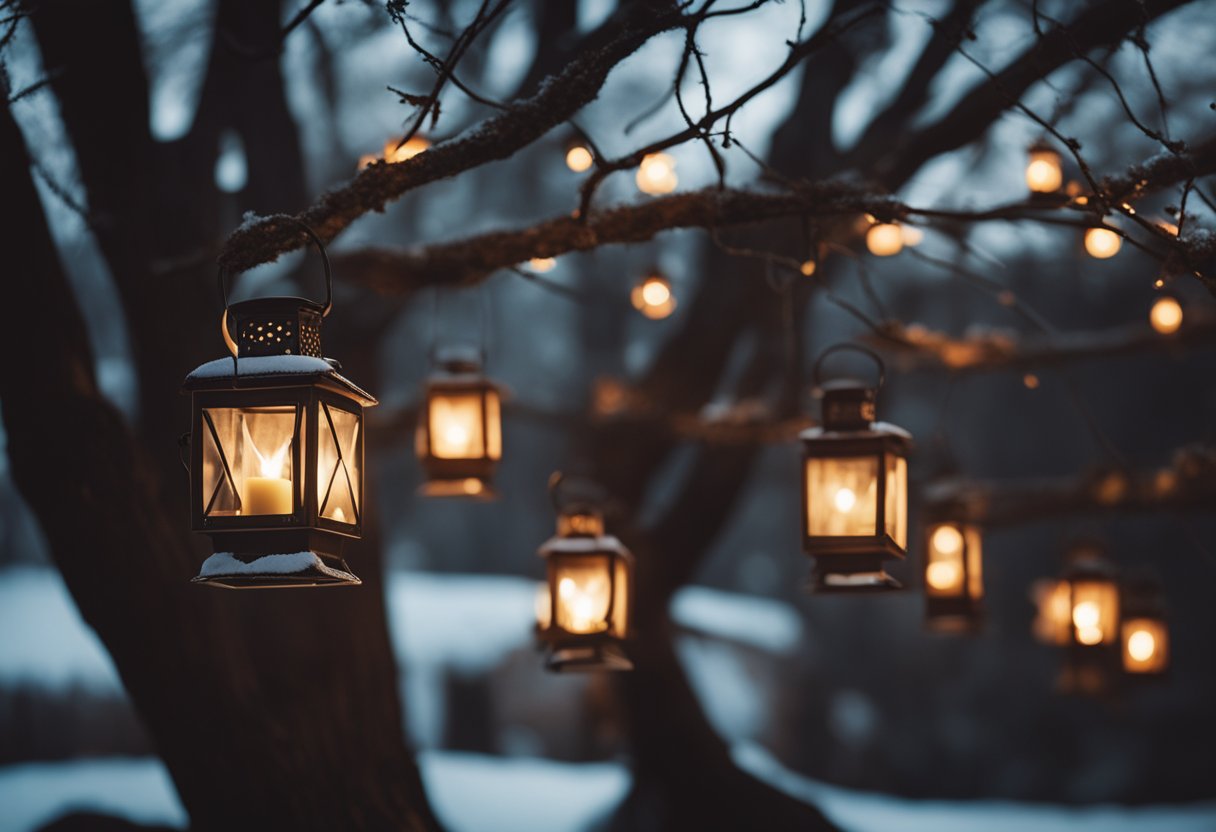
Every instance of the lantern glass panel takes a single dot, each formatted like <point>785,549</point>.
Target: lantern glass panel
<point>1053,624</point>
<point>1095,611</point>
<point>842,496</point>
<point>456,425</point>
<point>620,601</point>
<point>975,563</point>
<point>339,465</point>
<point>248,461</point>
<point>584,592</point>
<point>1145,645</point>
<point>897,499</point>
<point>493,424</point>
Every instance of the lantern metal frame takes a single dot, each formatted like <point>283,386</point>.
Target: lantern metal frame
<point>276,363</point>
<point>469,477</point>
<point>853,563</point>
<point>1089,669</point>
<point>581,537</point>
<point>961,611</point>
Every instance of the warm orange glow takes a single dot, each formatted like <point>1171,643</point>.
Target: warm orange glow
<point>416,145</point>
<point>885,239</point>
<point>953,564</point>
<point>1053,623</point>
<point>653,297</point>
<point>1102,243</point>
<point>842,496</point>
<point>1166,315</point>
<point>1094,610</point>
<point>657,174</point>
<point>1043,172</point>
<point>807,267</point>
<point>1031,381</point>
<point>579,158</point>
<point>1145,645</point>
<point>912,235</point>
<point>460,429</point>
<point>367,159</point>
<point>542,264</point>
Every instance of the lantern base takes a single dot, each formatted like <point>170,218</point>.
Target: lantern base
<point>472,488</point>
<point>841,582</point>
<point>587,658</point>
<point>275,571</point>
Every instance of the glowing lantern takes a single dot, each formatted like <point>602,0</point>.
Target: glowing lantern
<point>1082,608</point>
<point>1144,633</point>
<point>1102,243</point>
<point>653,296</point>
<point>459,433</point>
<point>885,239</point>
<point>657,174</point>
<point>954,582</point>
<point>1166,315</point>
<point>583,616</point>
<point>855,488</point>
<point>276,450</point>
<point>1044,169</point>
<point>395,152</point>
<point>579,157</point>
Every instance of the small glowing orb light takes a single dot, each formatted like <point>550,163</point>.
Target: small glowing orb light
<point>579,157</point>
<point>415,145</point>
<point>542,264</point>
<point>1166,315</point>
<point>1102,243</point>
<point>459,434</point>
<point>653,296</point>
<point>954,583</point>
<point>1144,633</point>
<point>854,506</point>
<point>276,449</point>
<point>657,174</point>
<point>582,613</point>
<point>807,268</point>
<point>885,239</point>
<point>1044,170</point>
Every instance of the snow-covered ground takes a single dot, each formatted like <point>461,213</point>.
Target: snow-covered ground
<point>534,795</point>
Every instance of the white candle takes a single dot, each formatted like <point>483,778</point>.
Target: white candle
<point>267,495</point>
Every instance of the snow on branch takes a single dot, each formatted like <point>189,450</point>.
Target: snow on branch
<point>1187,482</point>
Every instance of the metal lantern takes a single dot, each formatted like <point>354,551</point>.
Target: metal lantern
<point>276,448</point>
<point>1080,611</point>
<point>459,433</point>
<point>1144,635</point>
<point>854,487</point>
<point>954,581</point>
<point>583,617</point>
<point>1044,169</point>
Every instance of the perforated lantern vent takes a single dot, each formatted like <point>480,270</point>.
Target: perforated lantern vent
<point>276,326</point>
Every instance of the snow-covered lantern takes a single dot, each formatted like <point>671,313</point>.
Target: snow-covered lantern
<point>459,433</point>
<point>276,449</point>
<point>1044,169</point>
<point>583,617</point>
<point>954,582</point>
<point>1144,633</point>
<point>854,487</point>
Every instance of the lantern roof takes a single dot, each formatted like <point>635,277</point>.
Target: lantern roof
<point>821,433</point>
<point>274,371</point>
<point>584,545</point>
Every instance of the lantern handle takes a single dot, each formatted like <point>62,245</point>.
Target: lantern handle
<point>183,448</point>
<point>312,235</point>
<point>817,370</point>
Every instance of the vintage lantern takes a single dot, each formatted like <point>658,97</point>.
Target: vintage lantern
<point>954,582</point>
<point>583,617</point>
<point>459,433</point>
<point>854,487</point>
<point>1144,634</point>
<point>1080,611</point>
<point>1044,169</point>
<point>276,448</point>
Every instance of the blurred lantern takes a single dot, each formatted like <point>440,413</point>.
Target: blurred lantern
<point>395,151</point>
<point>459,433</point>
<point>855,487</point>
<point>583,616</point>
<point>885,239</point>
<point>1044,169</point>
<point>1166,315</point>
<point>1080,611</point>
<point>954,582</point>
<point>579,157</point>
<point>1144,633</point>
<point>657,174</point>
<point>653,296</point>
<point>1102,243</point>
<point>276,450</point>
